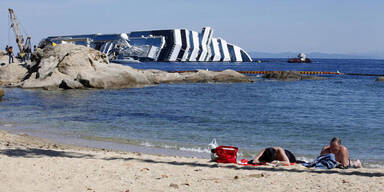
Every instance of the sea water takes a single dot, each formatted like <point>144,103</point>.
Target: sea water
<point>182,119</point>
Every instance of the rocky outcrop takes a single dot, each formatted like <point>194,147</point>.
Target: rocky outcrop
<point>2,93</point>
<point>70,66</point>
<point>200,76</point>
<point>11,73</point>
<point>290,76</point>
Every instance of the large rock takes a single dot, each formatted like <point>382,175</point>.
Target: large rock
<point>11,73</point>
<point>380,79</point>
<point>2,92</point>
<point>73,67</point>
<point>113,76</point>
<point>289,76</point>
<point>200,76</point>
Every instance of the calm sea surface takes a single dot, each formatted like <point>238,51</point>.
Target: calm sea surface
<point>301,116</point>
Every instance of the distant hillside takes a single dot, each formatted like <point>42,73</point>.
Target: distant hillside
<point>314,55</point>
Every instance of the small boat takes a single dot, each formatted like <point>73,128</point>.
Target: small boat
<point>301,58</point>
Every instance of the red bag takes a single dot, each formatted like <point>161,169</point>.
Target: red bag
<point>225,154</point>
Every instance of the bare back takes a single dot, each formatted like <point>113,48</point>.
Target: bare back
<point>341,155</point>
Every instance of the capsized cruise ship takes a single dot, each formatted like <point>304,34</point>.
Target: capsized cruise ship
<point>174,45</point>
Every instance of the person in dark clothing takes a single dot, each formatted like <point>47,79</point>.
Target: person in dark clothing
<point>28,53</point>
<point>274,155</point>
<point>10,54</point>
<point>34,54</point>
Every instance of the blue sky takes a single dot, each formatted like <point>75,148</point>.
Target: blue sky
<point>342,26</point>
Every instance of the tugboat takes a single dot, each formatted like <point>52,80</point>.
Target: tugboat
<point>301,58</point>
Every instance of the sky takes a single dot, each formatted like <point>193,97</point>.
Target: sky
<point>329,26</point>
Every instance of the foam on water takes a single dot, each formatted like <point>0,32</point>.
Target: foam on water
<point>199,150</point>
<point>147,144</point>
<point>181,148</point>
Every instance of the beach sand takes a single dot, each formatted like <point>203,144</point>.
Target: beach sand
<point>32,164</point>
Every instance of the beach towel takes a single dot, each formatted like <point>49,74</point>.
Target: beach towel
<point>327,161</point>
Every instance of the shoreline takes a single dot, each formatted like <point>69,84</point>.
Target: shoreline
<point>37,164</point>
<point>150,149</point>
<point>102,143</point>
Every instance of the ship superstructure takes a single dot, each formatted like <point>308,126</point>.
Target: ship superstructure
<point>174,45</point>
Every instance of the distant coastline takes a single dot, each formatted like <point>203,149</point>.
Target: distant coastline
<point>317,55</point>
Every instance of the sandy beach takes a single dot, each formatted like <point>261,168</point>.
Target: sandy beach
<point>33,164</point>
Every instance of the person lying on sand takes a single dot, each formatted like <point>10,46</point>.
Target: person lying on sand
<point>274,155</point>
<point>341,154</point>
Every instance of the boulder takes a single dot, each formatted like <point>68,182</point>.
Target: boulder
<point>204,76</point>
<point>380,79</point>
<point>74,66</point>
<point>12,74</point>
<point>113,76</point>
<point>289,76</point>
<point>200,76</point>
<point>2,93</point>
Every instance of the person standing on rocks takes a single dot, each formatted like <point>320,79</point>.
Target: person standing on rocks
<point>28,53</point>
<point>10,53</point>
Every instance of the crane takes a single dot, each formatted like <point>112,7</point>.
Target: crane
<point>23,47</point>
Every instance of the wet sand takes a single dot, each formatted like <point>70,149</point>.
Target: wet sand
<point>28,163</point>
